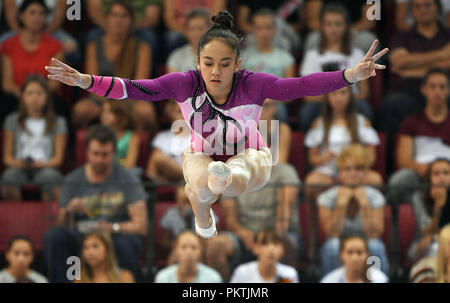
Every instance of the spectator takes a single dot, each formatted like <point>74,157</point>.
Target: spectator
<point>361,27</point>
<point>423,138</point>
<point>425,46</point>
<point>56,13</point>
<point>165,161</point>
<point>335,52</point>
<point>265,57</point>
<point>354,254</point>
<point>404,20</point>
<point>287,21</point>
<point>34,144</point>
<point>189,269</point>
<point>19,255</point>
<point>28,52</point>
<point>351,208</point>
<point>117,116</point>
<point>174,17</point>
<point>274,206</point>
<point>147,16</point>
<point>434,269</point>
<point>428,207</point>
<point>98,260</point>
<point>118,52</point>
<point>267,269</point>
<point>183,58</point>
<point>180,218</point>
<point>100,194</point>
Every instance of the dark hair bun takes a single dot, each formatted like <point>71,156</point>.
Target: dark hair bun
<point>223,20</point>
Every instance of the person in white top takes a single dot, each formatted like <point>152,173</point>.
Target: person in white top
<point>19,255</point>
<point>165,161</point>
<point>356,267</point>
<point>267,269</point>
<point>182,59</point>
<point>334,52</point>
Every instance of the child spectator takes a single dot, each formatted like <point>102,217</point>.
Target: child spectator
<point>189,269</point>
<point>117,116</point>
<point>98,260</point>
<point>428,207</point>
<point>34,143</point>
<point>351,207</point>
<point>265,57</point>
<point>118,52</point>
<point>179,218</point>
<point>175,14</point>
<point>354,253</point>
<point>361,26</point>
<point>267,269</point>
<point>165,161</point>
<point>334,52</point>
<point>183,58</point>
<point>423,138</point>
<point>19,255</point>
<point>28,52</point>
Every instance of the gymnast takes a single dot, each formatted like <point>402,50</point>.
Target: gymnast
<point>222,105</point>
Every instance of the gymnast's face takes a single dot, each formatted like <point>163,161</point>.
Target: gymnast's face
<point>217,64</point>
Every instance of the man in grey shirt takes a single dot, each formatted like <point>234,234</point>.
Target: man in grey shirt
<point>101,194</point>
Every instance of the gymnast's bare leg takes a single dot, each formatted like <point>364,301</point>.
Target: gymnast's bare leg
<point>206,179</point>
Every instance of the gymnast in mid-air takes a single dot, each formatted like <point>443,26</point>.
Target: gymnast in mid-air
<point>222,105</point>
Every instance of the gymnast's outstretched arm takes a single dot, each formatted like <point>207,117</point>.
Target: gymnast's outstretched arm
<point>172,85</point>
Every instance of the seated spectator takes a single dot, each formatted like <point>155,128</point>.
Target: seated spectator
<point>425,46</point>
<point>117,116</point>
<point>434,269</point>
<point>56,14</point>
<point>428,208</point>
<point>335,52</point>
<point>28,52</point>
<point>147,15</point>
<point>362,27</point>
<point>351,207</point>
<point>183,58</point>
<point>354,253</point>
<point>267,269</point>
<point>404,20</point>
<point>265,57</point>
<point>287,22</point>
<point>98,260</point>
<point>34,144</point>
<point>337,127</point>
<point>120,53</point>
<point>174,17</point>
<point>165,161</point>
<point>189,269</point>
<point>19,255</point>
<point>100,194</point>
<point>423,138</point>
<point>179,218</point>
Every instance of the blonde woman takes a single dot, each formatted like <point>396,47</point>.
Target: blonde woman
<point>98,260</point>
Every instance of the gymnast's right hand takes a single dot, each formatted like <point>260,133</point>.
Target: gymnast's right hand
<point>68,75</point>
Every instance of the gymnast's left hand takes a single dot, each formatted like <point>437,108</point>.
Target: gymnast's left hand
<point>366,67</point>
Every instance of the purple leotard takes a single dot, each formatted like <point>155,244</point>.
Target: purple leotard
<point>220,130</point>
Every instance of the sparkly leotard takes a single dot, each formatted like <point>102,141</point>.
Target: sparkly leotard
<point>220,130</point>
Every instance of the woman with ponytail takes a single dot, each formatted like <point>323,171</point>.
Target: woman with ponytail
<point>222,104</point>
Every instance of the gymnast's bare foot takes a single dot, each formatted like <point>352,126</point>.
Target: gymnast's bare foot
<point>219,177</point>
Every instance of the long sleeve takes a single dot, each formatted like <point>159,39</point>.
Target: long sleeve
<point>173,85</point>
<point>292,88</point>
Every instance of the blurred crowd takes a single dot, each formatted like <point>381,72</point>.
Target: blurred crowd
<point>350,164</point>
